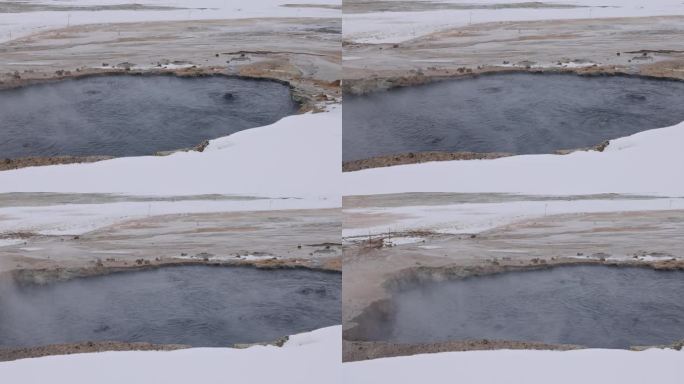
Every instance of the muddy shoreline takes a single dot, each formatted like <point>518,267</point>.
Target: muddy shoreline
<point>368,350</point>
<point>428,156</point>
<point>11,354</point>
<point>356,347</point>
<point>415,158</point>
<point>43,276</point>
<point>362,86</point>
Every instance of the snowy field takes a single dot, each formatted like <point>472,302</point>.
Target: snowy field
<point>524,367</point>
<point>35,19</point>
<point>395,27</point>
<point>78,219</point>
<point>308,358</point>
<point>478,217</point>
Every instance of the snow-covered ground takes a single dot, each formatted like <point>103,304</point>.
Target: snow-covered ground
<point>478,217</point>
<point>312,357</point>
<point>646,163</point>
<point>395,27</point>
<point>524,367</point>
<point>77,219</point>
<point>16,25</point>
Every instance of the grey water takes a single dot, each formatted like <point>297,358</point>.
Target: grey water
<point>201,306</point>
<point>592,306</point>
<point>514,113</point>
<point>134,115</point>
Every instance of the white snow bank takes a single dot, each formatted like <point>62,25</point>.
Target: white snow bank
<point>402,240</point>
<point>528,367</point>
<point>77,219</point>
<point>9,242</point>
<point>479,217</point>
<point>313,357</point>
<point>25,23</point>
<point>648,163</point>
<point>395,27</point>
<point>298,156</point>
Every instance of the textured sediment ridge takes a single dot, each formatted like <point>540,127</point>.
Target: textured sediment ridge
<point>59,273</point>
<point>10,354</point>
<point>377,83</point>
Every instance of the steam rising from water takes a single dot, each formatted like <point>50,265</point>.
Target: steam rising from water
<point>594,306</point>
<point>199,306</point>
<point>516,113</point>
<point>133,115</point>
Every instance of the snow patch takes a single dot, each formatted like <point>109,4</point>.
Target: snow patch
<point>307,358</point>
<point>401,240</point>
<point>17,25</point>
<point>478,217</point>
<point>8,242</point>
<point>396,27</point>
<point>663,366</point>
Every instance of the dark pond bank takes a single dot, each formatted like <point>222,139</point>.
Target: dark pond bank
<point>133,115</point>
<point>592,306</point>
<point>196,305</point>
<point>513,113</point>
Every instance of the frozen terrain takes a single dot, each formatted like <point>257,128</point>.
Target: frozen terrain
<point>41,15</point>
<point>530,367</point>
<point>312,357</point>
<point>368,25</point>
<point>475,217</point>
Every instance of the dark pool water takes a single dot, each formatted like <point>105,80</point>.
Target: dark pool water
<point>195,305</point>
<point>515,113</point>
<point>593,306</point>
<point>133,115</point>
